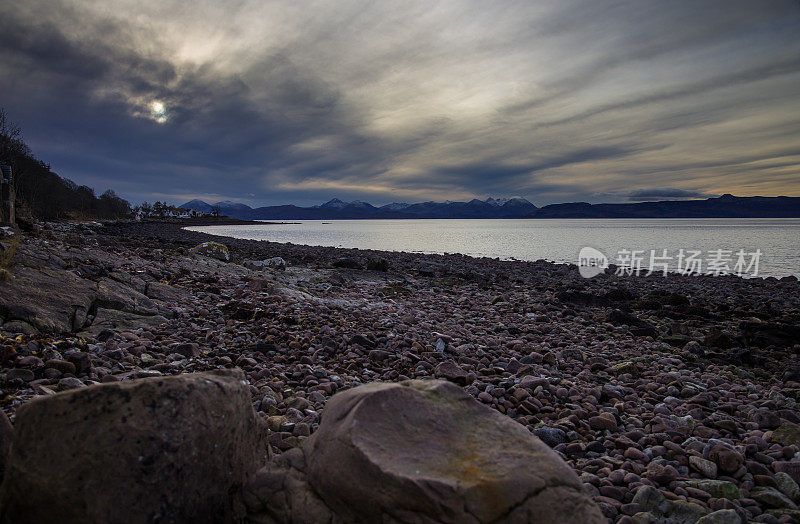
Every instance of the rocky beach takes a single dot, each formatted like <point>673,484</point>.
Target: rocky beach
<point>673,399</point>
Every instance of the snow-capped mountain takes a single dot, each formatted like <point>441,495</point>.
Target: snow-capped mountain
<point>395,206</point>
<point>336,208</point>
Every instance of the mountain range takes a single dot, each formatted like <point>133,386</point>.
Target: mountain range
<point>725,206</point>
<point>337,209</point>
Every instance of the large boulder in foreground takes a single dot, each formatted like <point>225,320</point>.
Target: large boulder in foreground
<point>418,451</point>
<point>161,449</point>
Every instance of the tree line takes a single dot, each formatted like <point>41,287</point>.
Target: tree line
<point>160,209</point>
<point>42,194</point>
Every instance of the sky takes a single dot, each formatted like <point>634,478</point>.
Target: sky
<point>268,102</point>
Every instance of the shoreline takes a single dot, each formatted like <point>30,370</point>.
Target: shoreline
<point>629,379</point>
<point>673,273</point>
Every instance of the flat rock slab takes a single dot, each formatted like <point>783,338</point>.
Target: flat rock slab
<point>161,449</point>
<point>116,320</point>
<point>45,298</point>
<point>425,451</point>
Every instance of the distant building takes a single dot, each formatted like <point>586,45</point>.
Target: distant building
<point>6,196</point>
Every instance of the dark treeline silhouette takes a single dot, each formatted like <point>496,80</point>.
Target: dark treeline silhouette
<point>43,194</point>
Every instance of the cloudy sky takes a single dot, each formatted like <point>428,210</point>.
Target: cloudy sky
<point>269,102</point>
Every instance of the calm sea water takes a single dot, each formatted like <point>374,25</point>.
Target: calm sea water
<point>554,240</point>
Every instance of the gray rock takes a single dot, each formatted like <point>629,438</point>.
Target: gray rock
<point>171,449</point>
<point>721,489</point>
<point>113,319</point>
<point>705,467</point>
<point>423,451</point>
<point>572,354</point>
<point>25,375</point>
<point>787,434</point>
<point>70,383</point>
<point>651,499</point>
<point>451,371</point>
<point>772,498</point>
<point>167,293</point>
<point>45,298</point>
<point>723,516</point>
<point>551,436</point>
<point>347,263</point>
<point>277,263</point>
<point>788,486</point>
<point>378,264</point>
<point>212,250</point>
<point>19,326</point>
<point>681,512</point>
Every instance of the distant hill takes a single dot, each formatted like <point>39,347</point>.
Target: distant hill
<point>199,205</point>
<point>338,209</point>
<point>726,206</point>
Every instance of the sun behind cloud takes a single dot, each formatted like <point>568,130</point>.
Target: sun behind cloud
<point>158,111</point>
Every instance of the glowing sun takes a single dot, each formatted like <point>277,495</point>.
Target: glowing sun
<point>158,111</point>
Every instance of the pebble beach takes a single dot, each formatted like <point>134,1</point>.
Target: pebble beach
<point>670,397</point>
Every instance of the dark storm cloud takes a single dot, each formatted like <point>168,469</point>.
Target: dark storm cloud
<point>269,102</point>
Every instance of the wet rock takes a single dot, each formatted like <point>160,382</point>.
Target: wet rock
<point>61,365</point>
<point>624,367</point>
<point>721,489</point>
<point>705,467</point>
<point>347,263</point>
<point>166,293</point>
<point>378,355</point>
<point>604,421</point>
<point>650,499</point>
<point>23,374</point>
<point>787,434</point>
<point>187,349</point>
<point>551,436</point>
<point>723,516</point>
<point>451,371</point>
<point>19,327</point>
<point>765,334</point>
<point>790,468</point>
<point>69,383</point>
<point>214,250</point>
<point>682,512</point>
<point>276,263</point>
<point>718,339</point>
<point>116,320</point>
<point>788,486</point>
<point>82,361</point>
<point>727,459</point>
<point>378,264</point>
<point>171,448</point>
<point>362,341</point>
<point>572,354</point>
<point>45,298</point>
<point>639,326</point>
<point>771,498</point>
<point>661,474</point>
